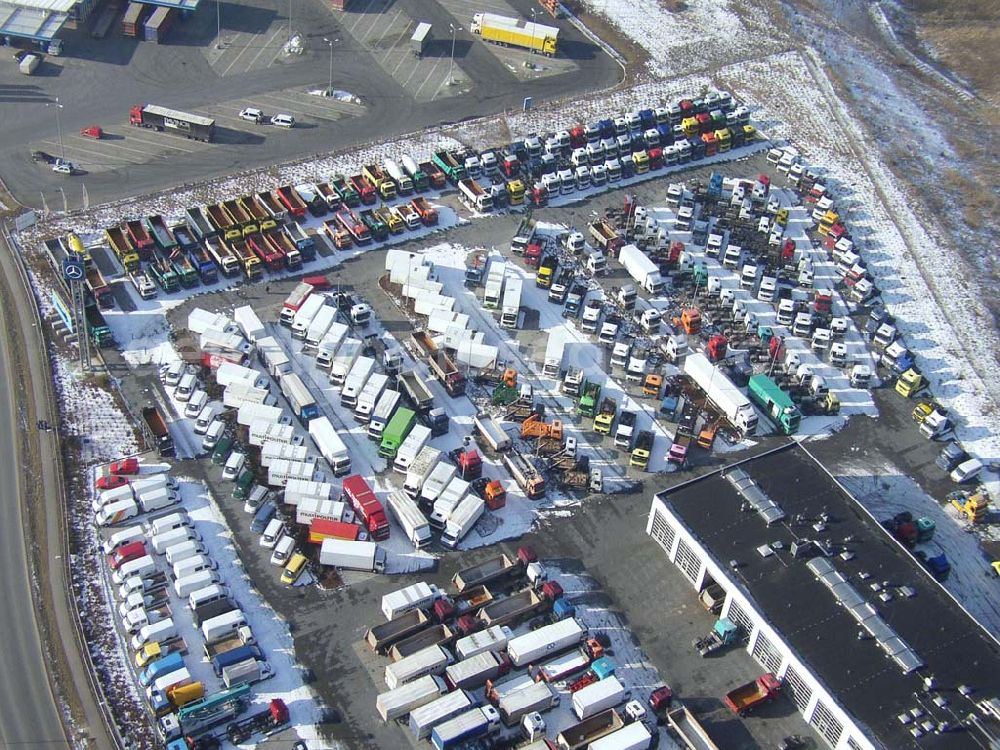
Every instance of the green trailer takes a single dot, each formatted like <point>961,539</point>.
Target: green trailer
<point>396,431</point>
<point>775,403</point>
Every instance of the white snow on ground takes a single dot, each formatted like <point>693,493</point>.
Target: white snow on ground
<point>952,345</point>
<point>702,33</point>
<point>885,492</point>
<point>270,631</point>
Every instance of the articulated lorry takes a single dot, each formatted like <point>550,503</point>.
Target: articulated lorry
<point>507,31</point>
<point>181,123</point>
<point>721,393</point>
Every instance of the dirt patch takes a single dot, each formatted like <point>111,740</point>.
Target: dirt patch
<point>963,35</point>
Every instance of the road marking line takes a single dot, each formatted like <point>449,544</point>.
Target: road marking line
<point>77,149</point>
<point>361,15</point>
<point>318,110</point>
<point>266,45</point>
<point>331,104</point>
<point>160,141</point>
<point>375,20</point>
<point>426,79</point>
<point>281,47</point>
<point>141,152</point>
<point>388,28</point>
<point>239,55</point>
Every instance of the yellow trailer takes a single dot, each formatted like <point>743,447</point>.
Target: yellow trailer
<point>510,31</point>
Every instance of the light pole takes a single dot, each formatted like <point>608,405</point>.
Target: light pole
<point>58,106</point>
<point>451,65</point>
<point>218,24</point>
<point>533,12</point>
<point>329,91</point>
<point>289,22</point>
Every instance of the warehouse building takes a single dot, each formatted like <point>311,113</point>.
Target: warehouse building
<point>872,651</point>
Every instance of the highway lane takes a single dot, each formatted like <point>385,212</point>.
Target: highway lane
<point>29,716</point>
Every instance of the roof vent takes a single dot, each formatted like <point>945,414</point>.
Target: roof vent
<point>766,508</point>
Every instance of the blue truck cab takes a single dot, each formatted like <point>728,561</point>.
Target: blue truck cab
<point>169,663</point>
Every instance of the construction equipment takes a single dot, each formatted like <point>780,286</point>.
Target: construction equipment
<point>973,505</point>
<point>722,634</point>
<point>534,427</point>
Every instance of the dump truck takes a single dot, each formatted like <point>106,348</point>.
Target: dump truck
<point>690,730</point>
<point>160,118</point>
<point>440,363</point>
<point>507,31</point>
<point>450,165</point>
<point>605,236</point>
<point>580,735</point>
<point>153,418</point>
<point>491,431</point>
<point>525,473</point>
<point>384,636</point>
<point>436,635</point>
<point>745,698</point>
<point>496,568</point>
<point>416,391</point>
<point>512,609</point>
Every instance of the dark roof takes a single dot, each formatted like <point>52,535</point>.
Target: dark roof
<point>868,683</point>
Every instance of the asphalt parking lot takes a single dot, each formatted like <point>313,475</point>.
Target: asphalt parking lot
<point>200,71</point>
<point>606,539</point>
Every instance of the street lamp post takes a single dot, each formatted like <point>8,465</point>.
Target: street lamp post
<point>329,91</point>
<point>62,148</point>
<point>533,12</point>
<point>289,21</point>
<point>451,65</point>
<point>218,24</point>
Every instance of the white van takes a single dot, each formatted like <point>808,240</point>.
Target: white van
<point>257,496</point>
<point>211,593</point>
<point>137,567</point>
<point>283,550</point>
<point>123,536</point>
<point>187,584</point>
<point>213,434</point>
<point>217,627</point>
<point>161,542</point>
<point>183,550</point>
<point>172,375</point>
<point>157,632</point>
<point>112,496</point>
<point>233,465</point>
<point>155,526</point>
<point>272,533</point>
<point>192,565</point>
<point>204,419</point>
<point>186,387</point>
<point>116,512</point>
<point>199,399</point>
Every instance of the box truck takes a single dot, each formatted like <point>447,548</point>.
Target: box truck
<point>407,514</point>
<point>393,704</point>
<point>428,661</point>
<point>551,639</point>
<point>341,553</point>
<point>420,595</point>
<point>330,445</point>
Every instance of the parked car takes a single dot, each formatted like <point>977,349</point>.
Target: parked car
<point>252,114</point>
<point>283,121</point>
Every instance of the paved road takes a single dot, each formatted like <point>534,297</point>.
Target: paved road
<point>24,684</point>
<point>30,716</point>
<point>101,79</point>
